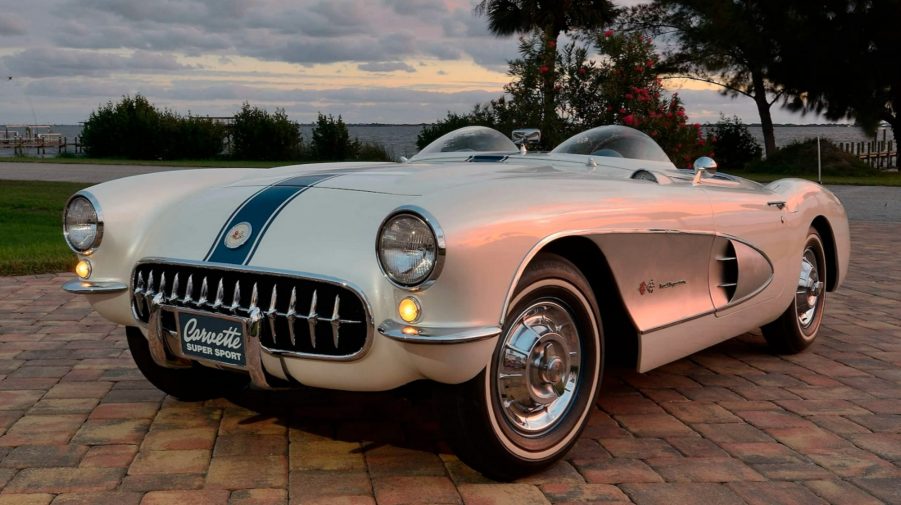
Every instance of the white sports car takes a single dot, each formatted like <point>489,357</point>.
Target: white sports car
<point>509,277</point>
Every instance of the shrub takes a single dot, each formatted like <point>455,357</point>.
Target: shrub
<point>369,151</point>
<point>331,140</point>
<point>734,145</point>
<point>135,128</point>
<point>800,158</point>
<point>260,135</point>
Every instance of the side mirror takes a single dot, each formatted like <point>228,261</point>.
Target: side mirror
<point>526,136</point>
<point>704,167</point>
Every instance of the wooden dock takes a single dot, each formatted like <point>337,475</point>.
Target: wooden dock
<point>882,154</point>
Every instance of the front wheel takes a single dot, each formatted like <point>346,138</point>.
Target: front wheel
<point>527,408</point>
<point>187,384</point>
<point>799,325</point>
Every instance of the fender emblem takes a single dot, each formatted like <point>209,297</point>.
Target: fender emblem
<point>238,235</point>
<point>649,286</point>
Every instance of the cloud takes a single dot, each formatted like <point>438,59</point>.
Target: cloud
<point>46,62</point>
<point>386,66</point>
<point>11,25</point>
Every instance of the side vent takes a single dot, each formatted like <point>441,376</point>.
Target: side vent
<point>729,267</point>
<point>738,272</point>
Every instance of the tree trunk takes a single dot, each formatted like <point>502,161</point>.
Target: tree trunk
<point>549,107</point>
<point>763,108</point>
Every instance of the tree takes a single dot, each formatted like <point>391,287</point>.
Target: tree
<point>550,18</point>
<point>735,146</point>
<point>258,134</point>
<point>331,140</point>
<point>842,60</point>
<point>729,44</point>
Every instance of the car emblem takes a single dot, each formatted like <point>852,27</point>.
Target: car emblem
<point>238,235</point>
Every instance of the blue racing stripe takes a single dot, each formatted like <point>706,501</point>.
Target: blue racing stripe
<point>259,211</point>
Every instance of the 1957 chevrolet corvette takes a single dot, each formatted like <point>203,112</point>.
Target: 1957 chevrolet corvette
<point>507,276</point>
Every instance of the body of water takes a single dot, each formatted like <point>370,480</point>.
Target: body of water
<point>400,140</point>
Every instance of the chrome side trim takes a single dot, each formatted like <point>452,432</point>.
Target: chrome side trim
<point>93,200</point>
<point>439,241</point>
<point>437,336</point>
<point>80,287</point>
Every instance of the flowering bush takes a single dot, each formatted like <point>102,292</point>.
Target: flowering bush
<point>634,96</point>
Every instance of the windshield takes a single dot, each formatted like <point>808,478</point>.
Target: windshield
<point>613,141</point>
<point>471,139</point>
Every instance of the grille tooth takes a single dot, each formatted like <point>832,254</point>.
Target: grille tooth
<point>220,294</point>
<point>174,294</point>
<point>236,297</point>
<point>292,315</point>
<point>237,292</point>
<point>189,291</point>
<point>272,312</point>
<point>139,295</point>
<point>148,294</point>
<point>312,319</point>
<point>336,321</point>
<point>254,295</point>
<point>204,292</point>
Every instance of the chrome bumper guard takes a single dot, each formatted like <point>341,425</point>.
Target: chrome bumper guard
<point>424,335</point>
<point>156,339</point>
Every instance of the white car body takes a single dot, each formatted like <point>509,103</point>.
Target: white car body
<point>665,245</point>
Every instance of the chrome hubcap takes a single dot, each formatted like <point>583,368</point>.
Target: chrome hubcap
<point>810,288</point>
<point>538,367</point>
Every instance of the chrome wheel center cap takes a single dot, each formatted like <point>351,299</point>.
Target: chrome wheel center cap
<point>553,370</point>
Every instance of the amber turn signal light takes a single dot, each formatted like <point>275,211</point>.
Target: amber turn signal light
<point>83,269</point>
<point>409,309</point>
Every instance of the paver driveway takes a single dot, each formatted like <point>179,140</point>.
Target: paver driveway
<point>733,424</point>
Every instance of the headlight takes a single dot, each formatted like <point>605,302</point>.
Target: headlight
<point>82,226</point>
<point>409,250</point>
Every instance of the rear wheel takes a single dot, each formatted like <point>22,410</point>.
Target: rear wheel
<point>187,384</point>
<point>799,325</point>
<point>527,408</point>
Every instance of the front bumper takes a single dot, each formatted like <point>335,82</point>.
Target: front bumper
<point>384,357</point>
<point>85,287</point>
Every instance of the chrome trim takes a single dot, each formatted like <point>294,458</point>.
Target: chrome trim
<point>440,243</point>
<point>270,314</point>
<point>85,287</point>
<point>437,336</point>
<point>93,201</point>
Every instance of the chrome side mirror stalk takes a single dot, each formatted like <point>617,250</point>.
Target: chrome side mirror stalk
<point>704,167</point>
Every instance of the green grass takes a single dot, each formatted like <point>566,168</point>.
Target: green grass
<point>31,224</point>
<point>155,163</point>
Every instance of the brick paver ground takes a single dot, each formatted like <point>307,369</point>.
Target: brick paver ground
<point>732,424</point>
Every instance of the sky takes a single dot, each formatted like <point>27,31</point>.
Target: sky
<point>370,61</point>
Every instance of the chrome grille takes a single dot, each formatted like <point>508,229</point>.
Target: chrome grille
<point>303,315</point>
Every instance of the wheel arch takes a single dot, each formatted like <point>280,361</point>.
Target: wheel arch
<point>822,226</point>
<point>620,334</point>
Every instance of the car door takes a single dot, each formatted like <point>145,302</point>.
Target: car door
<point>749,221</point>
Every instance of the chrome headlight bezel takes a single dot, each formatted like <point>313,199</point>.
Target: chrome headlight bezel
<point>440,247</point>
<point>98,234</point>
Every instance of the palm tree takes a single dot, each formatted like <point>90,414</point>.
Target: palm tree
<point>551,18</point>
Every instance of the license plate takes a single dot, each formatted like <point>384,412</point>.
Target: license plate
<point>212,338</point>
